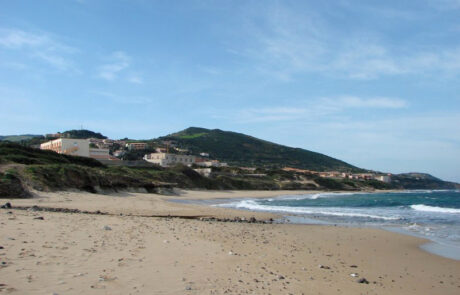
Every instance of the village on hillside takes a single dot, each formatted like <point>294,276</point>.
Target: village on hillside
<point>167,154</point>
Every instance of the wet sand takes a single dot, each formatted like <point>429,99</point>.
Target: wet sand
<point>73,253</point>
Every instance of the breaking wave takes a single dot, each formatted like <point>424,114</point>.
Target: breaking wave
<point>426,208</point>
<point>252,205</point>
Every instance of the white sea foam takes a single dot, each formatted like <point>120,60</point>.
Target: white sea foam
<point>311,196</point>
<point>426,208</point>
<point>252,205</point>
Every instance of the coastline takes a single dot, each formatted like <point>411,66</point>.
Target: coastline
<point>74,253</point>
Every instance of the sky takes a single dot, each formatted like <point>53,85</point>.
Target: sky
<point>373,83</point>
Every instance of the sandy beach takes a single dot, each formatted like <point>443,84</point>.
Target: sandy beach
<point>126,251</point>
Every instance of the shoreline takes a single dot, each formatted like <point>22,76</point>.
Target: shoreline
<point>118,254</point>
<point>432,244</point>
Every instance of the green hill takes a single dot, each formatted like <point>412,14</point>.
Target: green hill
<point>83,134</point>
<point>240,149</point>
<point>17,138</point>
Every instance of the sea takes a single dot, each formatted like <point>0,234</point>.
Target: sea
<point>430,214</point>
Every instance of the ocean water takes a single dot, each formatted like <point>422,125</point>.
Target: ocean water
<point>432,214</point>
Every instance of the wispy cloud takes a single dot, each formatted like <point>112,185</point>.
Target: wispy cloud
<point>40,46</point>
<point>135,79</point>
<point>343,102</point>
<point>117,62</point>
<point>316,109</point>
<point>286,44</point>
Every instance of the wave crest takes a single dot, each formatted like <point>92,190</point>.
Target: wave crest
<point>426,208</point>
<point>252,205</point>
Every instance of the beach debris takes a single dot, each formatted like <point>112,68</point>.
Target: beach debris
<point>354,275</point>
<point>1,247</point>
<point>78,275</point>
<point>188,288</point>
<point>34,208</point>
<point>231,253</point>
<point>280,277</point>
<point>6,206</point>
<point>106,227</point>
<point>39,218</point>
<point>353,266</point>
<point>324,266</point>
<point>362,281</point>
<point>166,241</point>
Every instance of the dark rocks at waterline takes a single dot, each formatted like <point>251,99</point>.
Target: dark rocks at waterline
<point>6,206</point>
<point>36,208</point>
<point>237,220</point>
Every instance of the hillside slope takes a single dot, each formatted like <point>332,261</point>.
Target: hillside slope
<point>18,138</point>
<point>240,149</point>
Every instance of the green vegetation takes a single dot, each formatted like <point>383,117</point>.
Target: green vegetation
<point>191,136</point>
<point>15,153</point>
<point>11,186</point>
<point>82,134</point>
<point>421,181</point>
<point>23,168</point>
<point>243,150</point>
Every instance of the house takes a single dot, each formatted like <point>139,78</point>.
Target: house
<point>210,163</point>
<point>68,146</point>
<point>383,178</point>
<point>333,174</point>
<point>166,159</point>
<point>118,153</point>
<point>161,150</point>
<point>136,146</point>
<point>76,147</point>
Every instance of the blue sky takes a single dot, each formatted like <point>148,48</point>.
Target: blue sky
<point>374,83</point>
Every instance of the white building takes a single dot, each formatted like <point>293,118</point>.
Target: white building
<point>75,147</point>
<point>68,146</point>
<point>384,178</point>
<point>206,172</point>
<point>136,146</point>
<point>166,159</point>
<point>211,163</point>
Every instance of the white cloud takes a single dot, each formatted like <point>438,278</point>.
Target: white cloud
<point>285,44</point>
<point>13,39</point>
<point>317,109</point>
<point>41,46</point>
<point>135,79</point>
<point>342,102</point>
<point>117,62</point>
